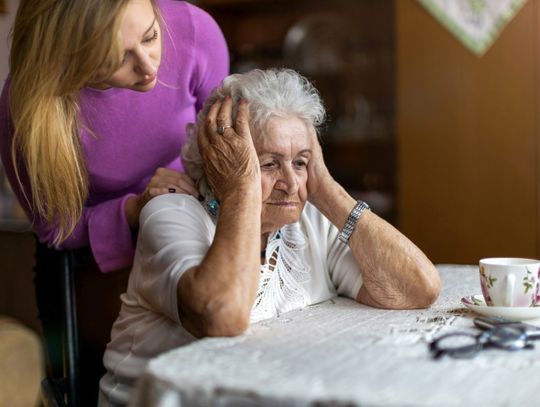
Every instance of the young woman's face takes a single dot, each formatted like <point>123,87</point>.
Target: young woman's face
<point>140,37</point>
<point>284,152</point>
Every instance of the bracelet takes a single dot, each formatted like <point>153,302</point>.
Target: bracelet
<point>355,214</point>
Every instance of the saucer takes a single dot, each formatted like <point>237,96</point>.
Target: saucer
<point>477,304</point>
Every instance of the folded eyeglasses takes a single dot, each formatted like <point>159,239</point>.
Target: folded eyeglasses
<point>498,334</point>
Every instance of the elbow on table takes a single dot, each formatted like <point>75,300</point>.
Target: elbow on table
<point>225,321</point>
<point>427,289</point>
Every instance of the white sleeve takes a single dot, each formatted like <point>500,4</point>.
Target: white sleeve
<point>342,266</point>
<point>175,234</point>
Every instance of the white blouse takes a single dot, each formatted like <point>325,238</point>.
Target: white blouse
<point>305,264</point>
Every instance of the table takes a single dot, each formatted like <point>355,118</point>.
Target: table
<point>340,353</point>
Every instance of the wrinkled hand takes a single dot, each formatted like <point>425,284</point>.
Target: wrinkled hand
<point>230,159</point>
<point>319,178</point>
<point>164,181</point>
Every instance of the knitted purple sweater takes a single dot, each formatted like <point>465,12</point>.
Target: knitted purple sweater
<point>135,133</point>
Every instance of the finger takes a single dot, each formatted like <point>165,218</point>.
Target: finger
<point>224,114</point>
<point>242,119</point>
<point>183,186</point>
<point>175,185</point>
<point>187,189</point>
<point>210,127</point>
<point>202,139</point>
<point>182,189</point>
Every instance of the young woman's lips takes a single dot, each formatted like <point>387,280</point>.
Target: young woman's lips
<point>147,81</point>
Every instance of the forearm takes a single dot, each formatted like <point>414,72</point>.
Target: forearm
<point>396,273</point>
<point>215,298</point>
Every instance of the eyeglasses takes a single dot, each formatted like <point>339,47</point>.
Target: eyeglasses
<point>464,345</point>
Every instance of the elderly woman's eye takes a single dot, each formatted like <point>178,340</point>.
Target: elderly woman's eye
<point>300,163</point>
<point>269,165</point>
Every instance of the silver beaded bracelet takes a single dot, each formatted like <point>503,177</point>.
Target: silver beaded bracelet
<point>355,214</point>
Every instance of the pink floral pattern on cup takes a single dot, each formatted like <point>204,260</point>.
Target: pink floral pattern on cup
<point>486,282</point>
<point>510,282</point>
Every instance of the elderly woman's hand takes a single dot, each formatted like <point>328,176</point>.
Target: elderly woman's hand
<point>319,179</point>
<point>230,158</point>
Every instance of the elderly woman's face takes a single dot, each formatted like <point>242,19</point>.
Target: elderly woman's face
<point>284,151</point>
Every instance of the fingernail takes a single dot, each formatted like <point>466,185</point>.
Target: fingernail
<point>172,190</point>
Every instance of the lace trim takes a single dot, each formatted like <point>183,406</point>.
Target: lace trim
<point>282,275</point>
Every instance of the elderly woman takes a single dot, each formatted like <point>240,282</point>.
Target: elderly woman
<point>272,231</point>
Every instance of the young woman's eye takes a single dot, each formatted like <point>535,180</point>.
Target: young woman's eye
<point>152,38</point>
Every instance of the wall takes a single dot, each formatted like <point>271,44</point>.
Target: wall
<point>6,20</point>
<point>468,138</point>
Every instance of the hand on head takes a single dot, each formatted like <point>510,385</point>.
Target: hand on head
<point>319,177</point>
<point>230,158</point>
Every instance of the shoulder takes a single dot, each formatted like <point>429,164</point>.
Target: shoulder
<point>173,207</point>
<point>319,230</point>
<point>312,216</point>
<point>195,36</point>
<point>183,15</point>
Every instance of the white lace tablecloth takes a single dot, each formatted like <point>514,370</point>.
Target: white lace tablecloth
<point>341,353</point>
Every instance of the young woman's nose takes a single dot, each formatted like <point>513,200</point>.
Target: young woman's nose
<point>144,65</point>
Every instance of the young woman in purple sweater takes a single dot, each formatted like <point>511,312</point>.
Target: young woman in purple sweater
<point>92,121</point>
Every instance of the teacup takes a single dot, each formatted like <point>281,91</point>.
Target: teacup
<point>510,281</point>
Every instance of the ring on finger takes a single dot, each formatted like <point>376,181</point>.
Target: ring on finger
<point>221,129</point>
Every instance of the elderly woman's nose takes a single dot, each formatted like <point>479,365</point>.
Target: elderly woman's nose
<point>289,181</point>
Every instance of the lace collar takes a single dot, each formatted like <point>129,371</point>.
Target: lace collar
<point>283,274</point>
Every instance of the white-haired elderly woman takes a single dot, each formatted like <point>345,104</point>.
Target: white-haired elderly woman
<point>272,231</point>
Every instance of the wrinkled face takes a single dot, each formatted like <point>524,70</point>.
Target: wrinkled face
<point>284,151</point>
<point>140,37</point>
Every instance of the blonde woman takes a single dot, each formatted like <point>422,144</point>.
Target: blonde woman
<point>92,120</point>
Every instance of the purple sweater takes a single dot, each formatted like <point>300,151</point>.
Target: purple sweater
<point>135,133</point>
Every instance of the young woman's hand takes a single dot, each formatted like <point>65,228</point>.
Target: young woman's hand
<point>164,181</point>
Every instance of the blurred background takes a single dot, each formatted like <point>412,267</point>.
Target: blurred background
<point>440,138</point>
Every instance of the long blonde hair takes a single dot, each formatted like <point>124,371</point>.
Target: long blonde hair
<point>58,48</point>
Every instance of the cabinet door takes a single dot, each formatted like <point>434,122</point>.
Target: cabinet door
<point>468,138</point>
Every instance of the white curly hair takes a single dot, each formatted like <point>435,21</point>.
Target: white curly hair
<point>271,92</point>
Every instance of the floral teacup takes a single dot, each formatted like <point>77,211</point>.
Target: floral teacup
<point>510,282</point>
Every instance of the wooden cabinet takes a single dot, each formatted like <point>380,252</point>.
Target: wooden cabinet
<point>346,48</point>
<point>468,138</point>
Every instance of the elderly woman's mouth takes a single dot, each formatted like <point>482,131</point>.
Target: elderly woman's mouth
<point>283,203</point>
